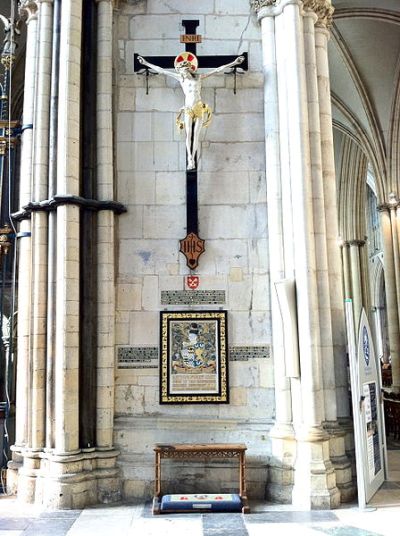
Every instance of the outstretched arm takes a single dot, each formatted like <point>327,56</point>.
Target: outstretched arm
<point>157,69</point>
<point>237,61</point>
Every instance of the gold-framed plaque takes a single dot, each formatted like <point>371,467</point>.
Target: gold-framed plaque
<point>193,357</point>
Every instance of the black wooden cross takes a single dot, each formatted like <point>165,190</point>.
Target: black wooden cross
<point>191,246</point>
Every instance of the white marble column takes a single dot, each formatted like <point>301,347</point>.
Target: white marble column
<point>301,189</point>
<point>327,253</point>
<point>282,433</point>
<point>291,32</point>
<point>28,10</point>
<point>275,224</point>
<point>320,219</point>
<point>335,279</point>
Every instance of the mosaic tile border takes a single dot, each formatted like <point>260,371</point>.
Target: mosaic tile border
<point>140,357</point>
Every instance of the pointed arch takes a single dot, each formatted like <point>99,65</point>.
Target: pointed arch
<point>365,143</point>
<point>378,141</point>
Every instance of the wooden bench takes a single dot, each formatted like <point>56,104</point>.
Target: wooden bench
<point>188,452</point>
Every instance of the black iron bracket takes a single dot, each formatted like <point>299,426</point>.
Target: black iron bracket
<point>48,205</point>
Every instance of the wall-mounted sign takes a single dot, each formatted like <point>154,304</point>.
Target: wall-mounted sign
<point>190,38</point>
<point>192,247</point>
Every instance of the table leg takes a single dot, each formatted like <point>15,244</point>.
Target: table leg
<point>157,482</point>
<point>242,478</point>
<point>242,484</point>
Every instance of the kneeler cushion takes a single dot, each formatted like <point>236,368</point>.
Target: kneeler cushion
<point>202,502</point>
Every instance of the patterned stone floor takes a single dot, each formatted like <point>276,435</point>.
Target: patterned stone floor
<point>382,518</point>
<point>137,520</point>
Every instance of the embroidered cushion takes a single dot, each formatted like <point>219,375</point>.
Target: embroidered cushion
<point>202,502</point>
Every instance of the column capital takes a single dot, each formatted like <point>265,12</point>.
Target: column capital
<point>268,8</point>
<point>323,9</point>
<point>258,4</point>
<point>28,10</point>
<point>393,203</point>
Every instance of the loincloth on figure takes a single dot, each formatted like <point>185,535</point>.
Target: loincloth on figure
<point>199,110</point>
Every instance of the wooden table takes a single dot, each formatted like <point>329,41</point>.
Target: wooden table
<point>188,452</point>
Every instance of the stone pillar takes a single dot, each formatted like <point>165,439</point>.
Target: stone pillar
<point>335,279</point>
<point>328,267</point>
<point>346,270</point>
<point>106,293</point>
<point>393,211</point>
<point>356,279</point>
<point>320,218</point>
<point>64,473</point>
<point>67,487</point>
<point>105,258</point>
<point>280,481</point>
<point>299,137</point>
<point>391,290</point>
<point>28,10</point>
<point>67,309</point>
<point>40,227</point>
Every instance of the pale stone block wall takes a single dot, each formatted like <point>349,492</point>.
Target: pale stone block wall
<point>150,171</point>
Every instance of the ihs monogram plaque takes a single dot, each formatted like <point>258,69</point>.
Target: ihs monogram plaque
<point>192,247</point>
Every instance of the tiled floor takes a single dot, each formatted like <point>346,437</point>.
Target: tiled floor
<point>381,519</point>
<point>137,520</point>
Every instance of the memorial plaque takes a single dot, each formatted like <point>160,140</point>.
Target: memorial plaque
<point>136,357</point>
<point>193,297</point>
<point>247,353</point>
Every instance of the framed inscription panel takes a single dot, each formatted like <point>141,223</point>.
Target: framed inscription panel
<point>194,357</point>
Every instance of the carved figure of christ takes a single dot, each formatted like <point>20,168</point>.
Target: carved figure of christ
<point>195,114</point>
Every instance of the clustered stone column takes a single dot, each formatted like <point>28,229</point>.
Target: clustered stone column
<point>50,464</point>
<point>353,177</point>
<point>105,251</point>
<point>302,220</point>
<point>29,12</point>
<point>282,434</point>
<point>390,223</point>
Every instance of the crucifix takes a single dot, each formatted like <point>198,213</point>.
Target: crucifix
<point>192,117</point>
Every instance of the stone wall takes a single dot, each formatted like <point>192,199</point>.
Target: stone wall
<point>150,163</point>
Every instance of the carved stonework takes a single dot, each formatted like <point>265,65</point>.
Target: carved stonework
<point>258,4</point>
<point>323,9</point>
<point>27,10</point>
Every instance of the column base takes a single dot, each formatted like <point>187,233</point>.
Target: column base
<point>281,464</point>
<point>13,467</point>
<point>315,480</point>
<point>340,461</point>
<point>69,481</point>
